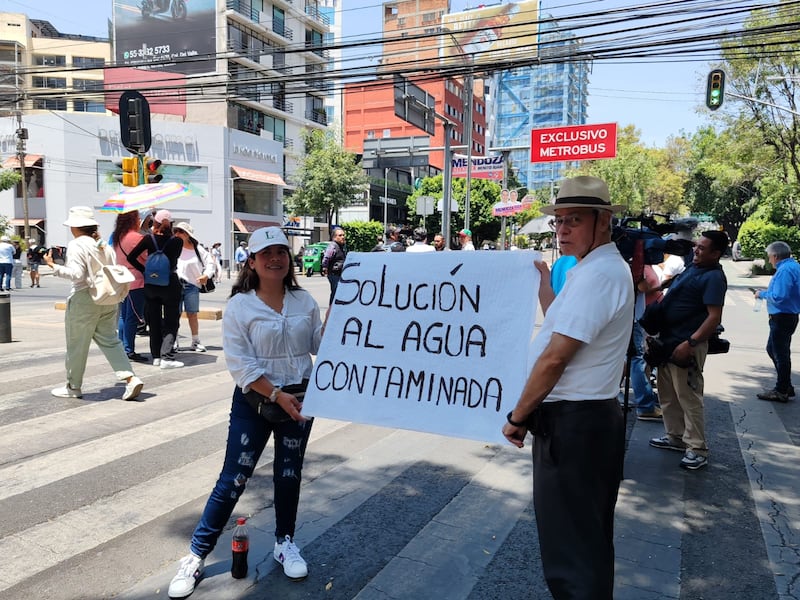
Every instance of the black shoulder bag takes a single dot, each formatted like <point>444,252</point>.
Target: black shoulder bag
<point>272,411</point>
<point>209,285</point>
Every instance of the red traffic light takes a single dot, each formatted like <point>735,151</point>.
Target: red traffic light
<point>151,167</point>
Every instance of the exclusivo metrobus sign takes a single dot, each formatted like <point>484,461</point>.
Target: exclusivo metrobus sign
<point>574,142</point>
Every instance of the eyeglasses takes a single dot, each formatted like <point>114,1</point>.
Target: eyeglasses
<point>569,221</point>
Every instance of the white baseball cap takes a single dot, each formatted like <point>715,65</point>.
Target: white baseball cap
<point>266,237</point>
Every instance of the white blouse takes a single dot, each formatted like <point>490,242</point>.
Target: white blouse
<point>259,341</point>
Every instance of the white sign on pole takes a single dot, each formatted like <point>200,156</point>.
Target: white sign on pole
<point>453,205</point>
<point>434,342</point>
<point>425,205</point>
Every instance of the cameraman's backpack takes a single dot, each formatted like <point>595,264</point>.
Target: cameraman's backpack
<point>156,267</point>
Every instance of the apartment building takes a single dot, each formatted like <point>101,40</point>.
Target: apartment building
<point>244,77</point>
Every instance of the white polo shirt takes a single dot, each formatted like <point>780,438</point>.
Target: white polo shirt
<point>595,306</point>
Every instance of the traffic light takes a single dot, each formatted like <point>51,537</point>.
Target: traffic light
<point>151,167</point>
<point>130,171</point>
<point>715,89</point>
<point>134,122</point>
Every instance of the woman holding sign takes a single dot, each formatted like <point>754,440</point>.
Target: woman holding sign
<point>270,330</point>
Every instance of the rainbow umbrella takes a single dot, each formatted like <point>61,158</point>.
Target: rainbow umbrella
<point>145,196</point>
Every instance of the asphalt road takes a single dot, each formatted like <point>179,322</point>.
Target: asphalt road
<point>99,496</point>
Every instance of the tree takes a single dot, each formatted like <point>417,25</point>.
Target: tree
<point>763,63</point>
<point>327,178</point>
<point>728,170</point>
<point>8,179</point>
<point>629,176</point>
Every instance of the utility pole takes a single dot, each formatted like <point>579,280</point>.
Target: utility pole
<point>22,135</point>
<point>469,101</point>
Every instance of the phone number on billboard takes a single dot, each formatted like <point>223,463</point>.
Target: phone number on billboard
<point>146,51</point>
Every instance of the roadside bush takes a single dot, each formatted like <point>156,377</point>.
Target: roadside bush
<point>755,235</point>
<point>362,235</point>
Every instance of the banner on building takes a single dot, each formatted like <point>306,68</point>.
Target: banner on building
<point>494,33</point>
<point>178,36</point>
<point>574,142</point>
<point>434,341</point>
<point>483,167</point>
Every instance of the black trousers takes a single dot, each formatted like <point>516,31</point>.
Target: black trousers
<point>578,455</point>
<point>163,310</point>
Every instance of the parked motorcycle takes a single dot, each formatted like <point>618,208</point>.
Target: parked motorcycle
<point>177,8</point>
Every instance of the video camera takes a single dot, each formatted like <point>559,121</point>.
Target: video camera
<point>643,236</point>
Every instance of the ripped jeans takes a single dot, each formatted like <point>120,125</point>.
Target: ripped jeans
<point>248,434</point>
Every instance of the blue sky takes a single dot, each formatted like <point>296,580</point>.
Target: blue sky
<point>659,99</point>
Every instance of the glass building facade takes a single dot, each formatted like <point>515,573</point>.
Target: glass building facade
<point>546,95</point>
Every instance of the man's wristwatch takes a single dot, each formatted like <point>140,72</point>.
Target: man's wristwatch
<point>692,342</point>
<point>273,396</point>
<point>513,422</point>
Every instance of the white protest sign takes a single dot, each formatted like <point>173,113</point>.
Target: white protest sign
<point>434,342</point>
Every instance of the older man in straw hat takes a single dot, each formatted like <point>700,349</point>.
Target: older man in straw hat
<point>569,402</point>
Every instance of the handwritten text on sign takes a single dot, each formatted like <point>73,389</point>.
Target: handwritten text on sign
<point>434,342</point>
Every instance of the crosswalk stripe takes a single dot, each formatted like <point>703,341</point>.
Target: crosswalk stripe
<point>85,528</point>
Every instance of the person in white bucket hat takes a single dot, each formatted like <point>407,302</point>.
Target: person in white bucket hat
<point>84,320</point>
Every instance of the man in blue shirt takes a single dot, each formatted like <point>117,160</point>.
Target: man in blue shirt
<point>783,306</point>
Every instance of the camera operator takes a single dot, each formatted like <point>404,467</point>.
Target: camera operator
<point>690,314</point>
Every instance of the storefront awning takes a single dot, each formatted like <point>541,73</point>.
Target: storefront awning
<point>249,226</point>
<point>12,162</point>
<point>260,176</point>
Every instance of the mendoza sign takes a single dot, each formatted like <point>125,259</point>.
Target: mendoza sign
<point>434,342</point>
<point>575,142</point>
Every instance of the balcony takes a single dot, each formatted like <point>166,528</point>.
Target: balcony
<point>282,30</point>
<point>243,9</point>
<point>282,104</point>
<point>317,116</point>
<point>312,10</point>
<point>317,49</point>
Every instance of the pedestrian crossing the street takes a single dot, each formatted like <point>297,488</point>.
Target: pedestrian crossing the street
<point>99,497</point>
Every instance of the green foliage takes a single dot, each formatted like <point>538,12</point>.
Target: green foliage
<point>8,179</point>
<point>629,176</point>
<point>327,178</point>
<point>483,195</point>
<point>362,236</point>
<point>770,77</point>
<point>755,235</point>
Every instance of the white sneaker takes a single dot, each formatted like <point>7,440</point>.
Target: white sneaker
<point>67,392</point>
<point>286,553</point>
<point>170,364</point>
<point>189,573</point>
<point>132,389</point>
<point>198,347</point>
<point>156,362</point>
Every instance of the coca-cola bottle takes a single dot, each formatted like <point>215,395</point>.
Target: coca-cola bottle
<point>240,544</point>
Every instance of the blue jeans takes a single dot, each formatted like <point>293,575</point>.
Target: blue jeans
<point>644,397</point>
<point>5,275</point>
<point>779,348</point>
<point>131,312</point>
<point>248,434</point>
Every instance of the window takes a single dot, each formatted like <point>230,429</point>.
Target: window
<point>49,82</point>
<point>50,104</point>
<point>94,85</point>
<point>49,60</point>
<point>87,62</point>
<point>88,106</point>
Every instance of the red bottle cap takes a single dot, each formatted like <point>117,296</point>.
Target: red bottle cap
<point>241,521</point>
